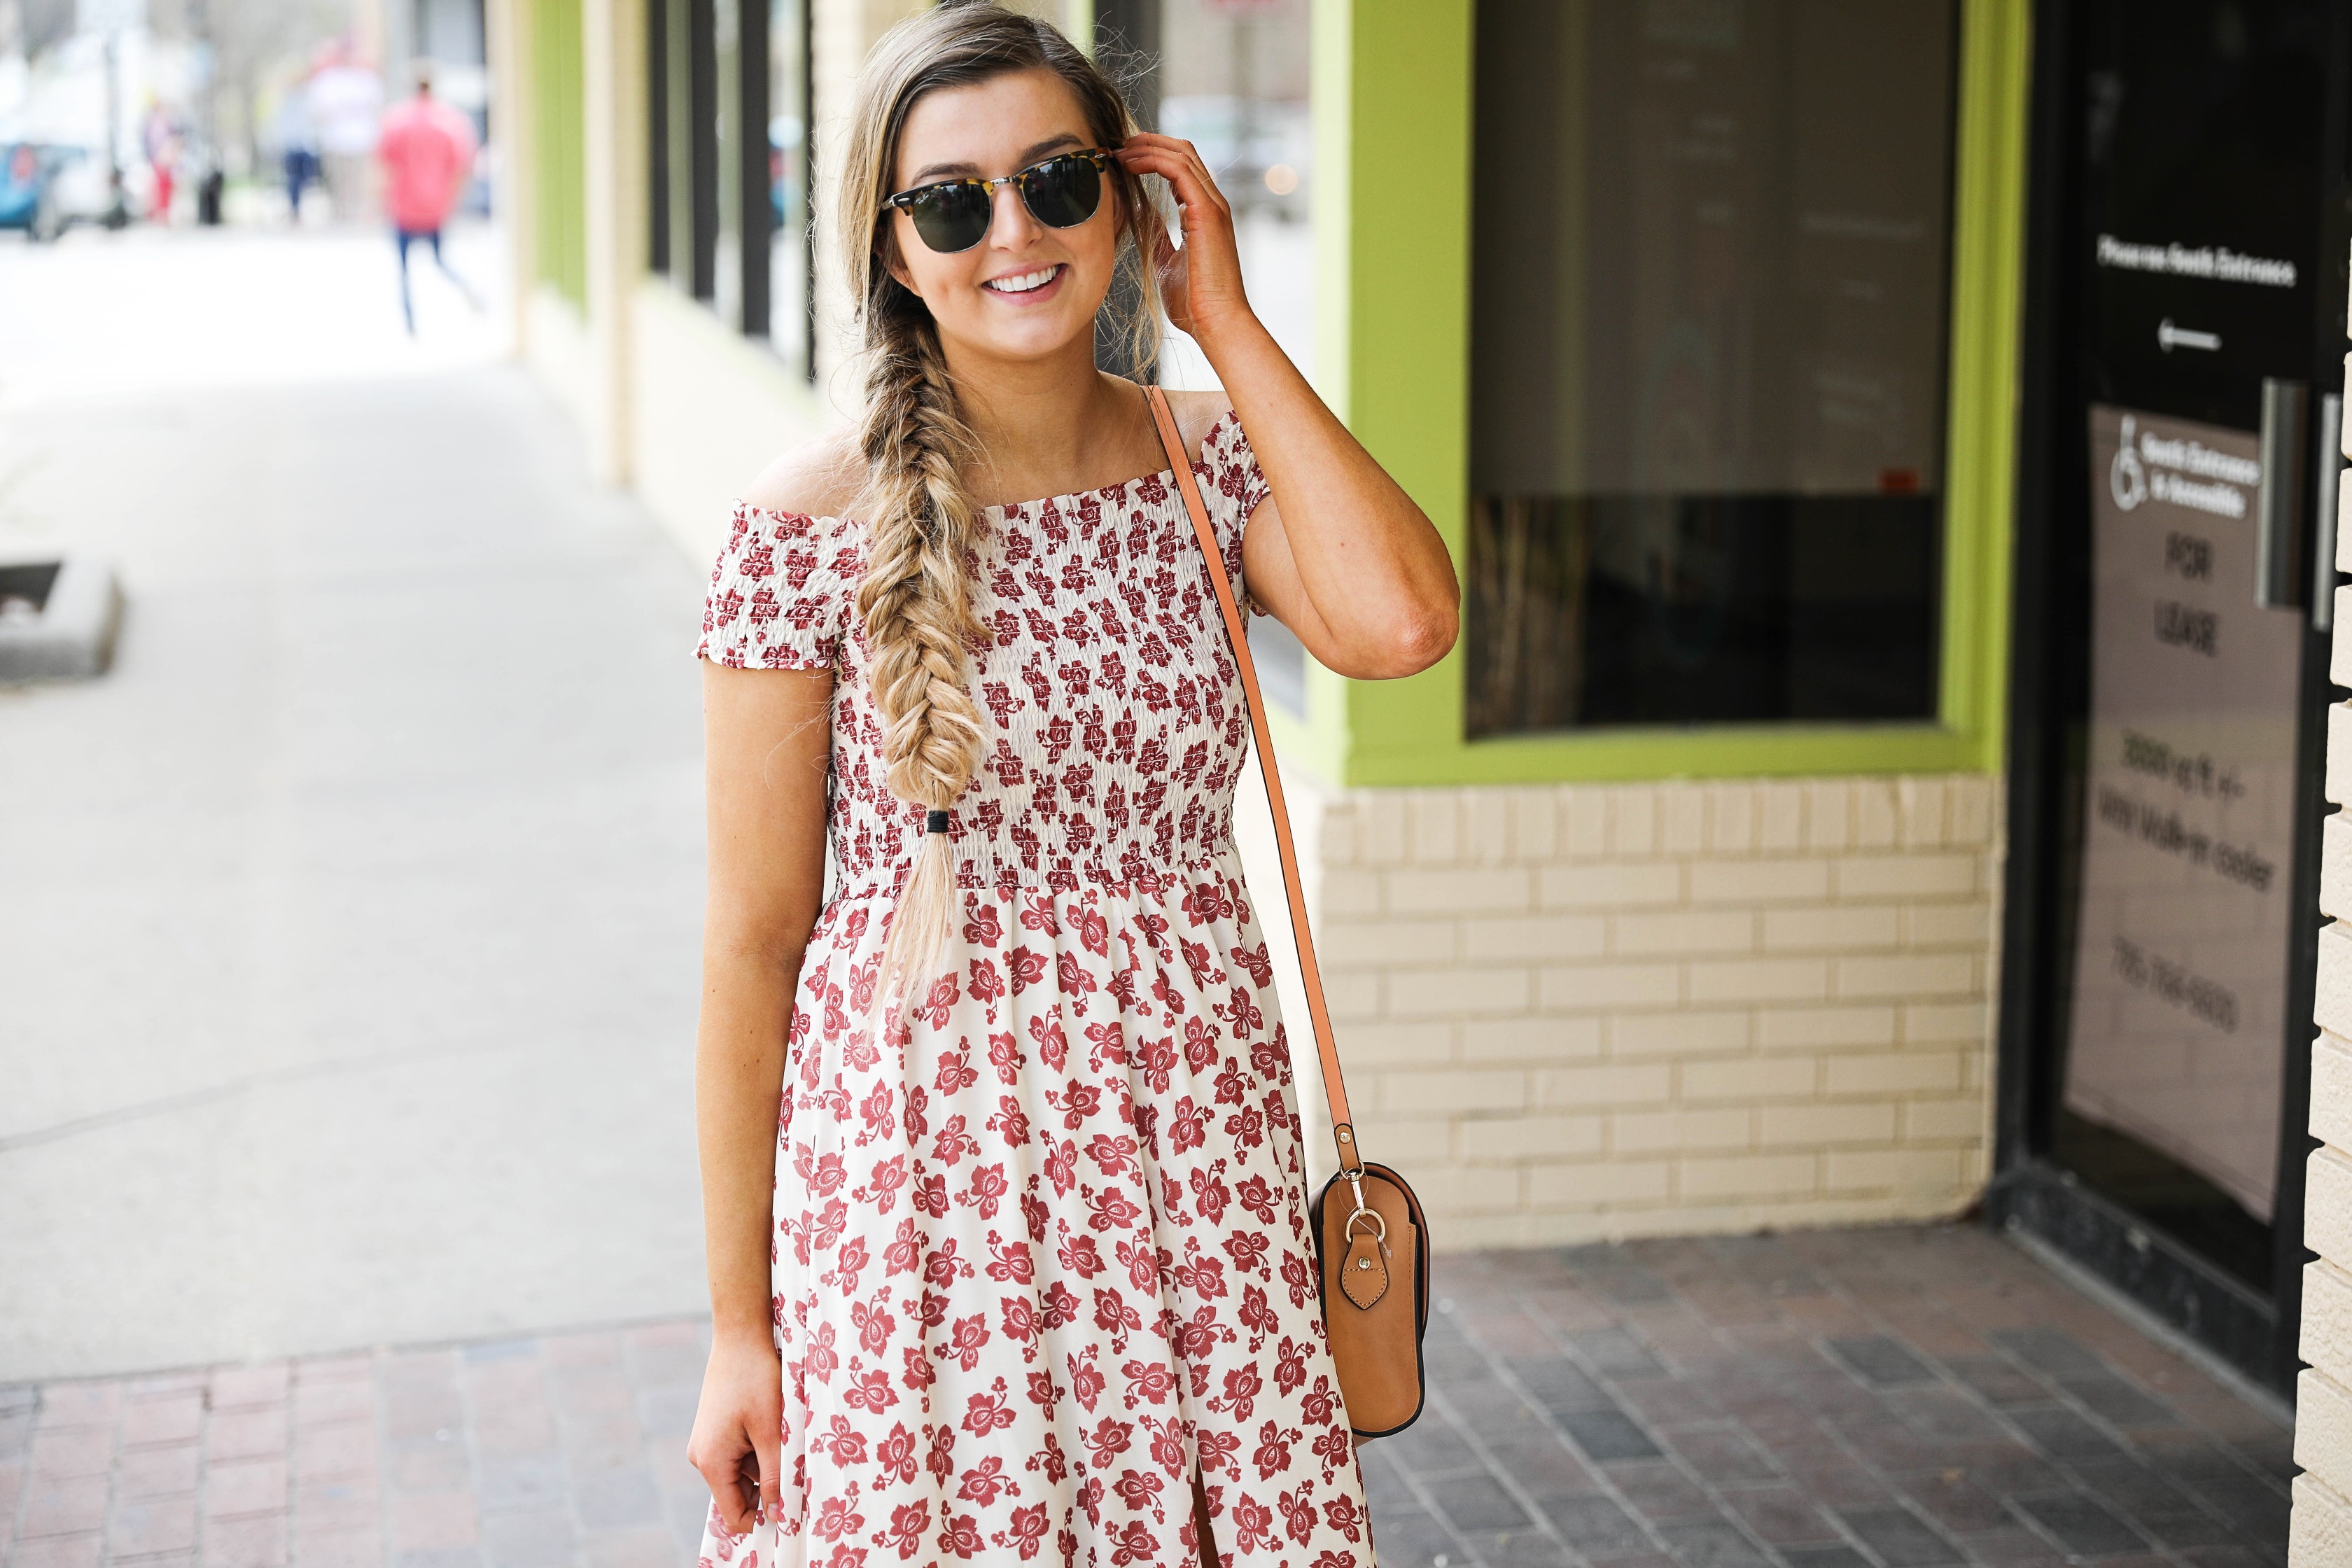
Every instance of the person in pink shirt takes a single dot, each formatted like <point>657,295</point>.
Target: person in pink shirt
<point>427,152</point>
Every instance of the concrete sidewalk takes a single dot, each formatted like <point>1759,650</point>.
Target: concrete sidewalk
<point>1894,1398</point>
<point>351,923</point>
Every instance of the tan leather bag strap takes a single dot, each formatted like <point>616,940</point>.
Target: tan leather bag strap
<point>1342,1130</point>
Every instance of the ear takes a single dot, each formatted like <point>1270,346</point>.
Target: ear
<point>887,251</point>
<point>1126,193</point>
<point>1141,218</point>
<point>1123,226</point>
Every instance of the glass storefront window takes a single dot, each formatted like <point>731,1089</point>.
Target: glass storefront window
<point>728,156</point>
<point>733,246</point>
<point>790,321</point>
<point>1232,81</point>
<point>1711,252</point>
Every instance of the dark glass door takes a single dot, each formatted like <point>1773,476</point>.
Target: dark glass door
<point>2185,342</point>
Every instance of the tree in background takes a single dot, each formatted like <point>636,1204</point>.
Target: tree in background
<point>258,49</point>
<point>35,26</point>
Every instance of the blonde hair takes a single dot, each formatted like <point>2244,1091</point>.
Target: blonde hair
<point>915,602</point>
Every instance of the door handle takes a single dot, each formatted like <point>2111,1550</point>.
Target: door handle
<point>2326,487</point>
<point>2277,505</point>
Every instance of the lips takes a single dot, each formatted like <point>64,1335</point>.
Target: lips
<point>1023,282</point>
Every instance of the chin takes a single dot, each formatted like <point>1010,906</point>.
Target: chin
<point>1029,339</point>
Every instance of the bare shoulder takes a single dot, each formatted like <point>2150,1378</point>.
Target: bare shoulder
<point>816,478</point>
<point>1196,413</point>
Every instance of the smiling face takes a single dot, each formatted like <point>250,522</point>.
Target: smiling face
<point>1025,291</point>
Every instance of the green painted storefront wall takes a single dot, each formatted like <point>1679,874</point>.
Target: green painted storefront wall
<point>1392,90</point>
<point>558,133</point>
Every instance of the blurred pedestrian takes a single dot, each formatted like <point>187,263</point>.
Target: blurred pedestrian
<point>297,147</point>
<point>427,153</point>
<point>346,97</point>
<point>159,137</point>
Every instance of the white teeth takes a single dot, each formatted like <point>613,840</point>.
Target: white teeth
<point>1024,283</point>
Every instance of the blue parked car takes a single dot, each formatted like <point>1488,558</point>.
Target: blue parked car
<point>43,188</point>
<point>25,202</point>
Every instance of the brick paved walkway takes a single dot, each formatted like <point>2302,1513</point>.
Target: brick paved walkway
<point>1851,1399</point>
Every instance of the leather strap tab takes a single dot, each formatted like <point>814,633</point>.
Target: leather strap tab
<point>1363,1273</point>
<point>1320,1015</point>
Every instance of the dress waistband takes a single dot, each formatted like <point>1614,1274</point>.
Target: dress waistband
<point>1098,882</point>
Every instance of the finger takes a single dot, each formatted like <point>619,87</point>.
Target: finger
<point>728,1496</point>
<point>1153,141</point>
<point>1196,199</point>
<point>1206,183</point>
<point>756,1496</point>
<point>1202,172</point>
<point>727,1503</point>
<point>769,1450</point>
<point>742,1501</point>
<point>1177,162</point>
<point>1162,161</point>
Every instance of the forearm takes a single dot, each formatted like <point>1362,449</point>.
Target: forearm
<point>1373,570</point>
<point>740,1058</point>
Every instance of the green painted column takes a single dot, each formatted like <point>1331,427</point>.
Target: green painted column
<point>1391,84</point>
<point>559,172</point>
<point>1988,309</point>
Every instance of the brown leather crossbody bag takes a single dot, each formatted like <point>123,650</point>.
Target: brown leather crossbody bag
<point>1371,1242</point>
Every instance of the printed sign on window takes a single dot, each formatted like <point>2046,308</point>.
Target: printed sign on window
<point>2188,808</point>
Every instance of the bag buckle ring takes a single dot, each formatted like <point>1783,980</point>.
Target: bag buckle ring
<point>1363,1210</point>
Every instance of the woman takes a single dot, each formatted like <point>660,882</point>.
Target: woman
<point>1025,1276</point>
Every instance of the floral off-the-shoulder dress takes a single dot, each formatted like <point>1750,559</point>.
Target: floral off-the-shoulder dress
<point>1049,1250</point>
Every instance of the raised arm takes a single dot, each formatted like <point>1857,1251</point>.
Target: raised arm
<point>767,735</point>
<point>1339,554</point>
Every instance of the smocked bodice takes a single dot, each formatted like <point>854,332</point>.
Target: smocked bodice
<point>1116,724</point>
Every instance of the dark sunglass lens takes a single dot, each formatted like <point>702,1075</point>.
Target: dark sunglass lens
<point>950,217</point>
<point>1063,192</point>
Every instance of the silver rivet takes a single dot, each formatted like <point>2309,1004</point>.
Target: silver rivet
<point>1363,1263</point>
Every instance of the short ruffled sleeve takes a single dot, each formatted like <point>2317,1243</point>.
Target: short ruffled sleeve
<point>1233,487</point>
<point>780,592</point>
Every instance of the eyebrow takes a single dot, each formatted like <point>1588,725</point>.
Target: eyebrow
<point>972,171</point>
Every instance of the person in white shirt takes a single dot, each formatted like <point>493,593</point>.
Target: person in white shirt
<point>346,99</point>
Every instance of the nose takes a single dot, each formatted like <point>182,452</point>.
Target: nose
<point>1010,227</point>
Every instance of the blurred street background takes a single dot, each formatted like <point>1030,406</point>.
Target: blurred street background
<point>348,923</point>
<point>351,920</point>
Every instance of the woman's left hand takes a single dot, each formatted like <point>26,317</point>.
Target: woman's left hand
<point>1200,285</point>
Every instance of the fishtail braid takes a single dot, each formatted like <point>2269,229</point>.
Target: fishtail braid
<point>915,604</point>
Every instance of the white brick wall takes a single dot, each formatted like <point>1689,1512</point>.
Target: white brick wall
<point>1587,1011</point>
<point>2322,1535</point>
